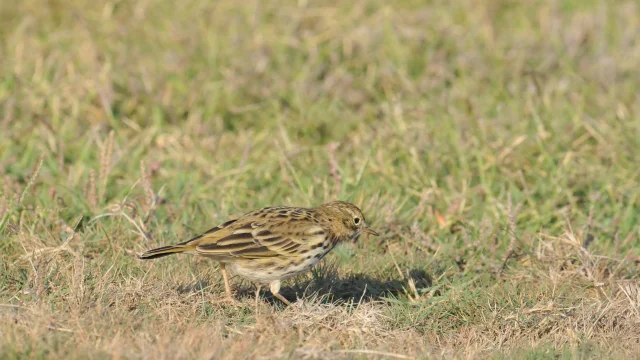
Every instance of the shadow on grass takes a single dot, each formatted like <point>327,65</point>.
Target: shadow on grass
<point>326,285</point>
<point>329,287</point>
<point>193,287</point>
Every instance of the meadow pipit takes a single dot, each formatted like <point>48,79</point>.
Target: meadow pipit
<point>269,245</point>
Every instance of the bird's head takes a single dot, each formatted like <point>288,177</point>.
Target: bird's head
<point>346,219</point>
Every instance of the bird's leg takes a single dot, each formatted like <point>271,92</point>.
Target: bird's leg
<point>275,290</point>
<point>258,286</point>
<point>227,287</point>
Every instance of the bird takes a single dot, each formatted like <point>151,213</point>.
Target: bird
<point>271,244</point>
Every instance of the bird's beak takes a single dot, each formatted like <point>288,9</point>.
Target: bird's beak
<point>368,230</point>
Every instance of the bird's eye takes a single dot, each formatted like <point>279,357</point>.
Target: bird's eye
<point>356,220</point>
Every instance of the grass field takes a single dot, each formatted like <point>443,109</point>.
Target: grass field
<point>493,144</point>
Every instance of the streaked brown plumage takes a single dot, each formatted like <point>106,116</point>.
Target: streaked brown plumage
<point>275,243</point>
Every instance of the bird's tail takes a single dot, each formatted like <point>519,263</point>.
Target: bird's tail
<point>164,251</point>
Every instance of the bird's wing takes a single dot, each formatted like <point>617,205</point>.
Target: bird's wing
<point>216,231</point>
<point>254,238</point>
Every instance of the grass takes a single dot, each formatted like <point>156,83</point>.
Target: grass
<point>494,145</point>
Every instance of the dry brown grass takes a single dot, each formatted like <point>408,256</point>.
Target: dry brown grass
<point>559,296</point>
